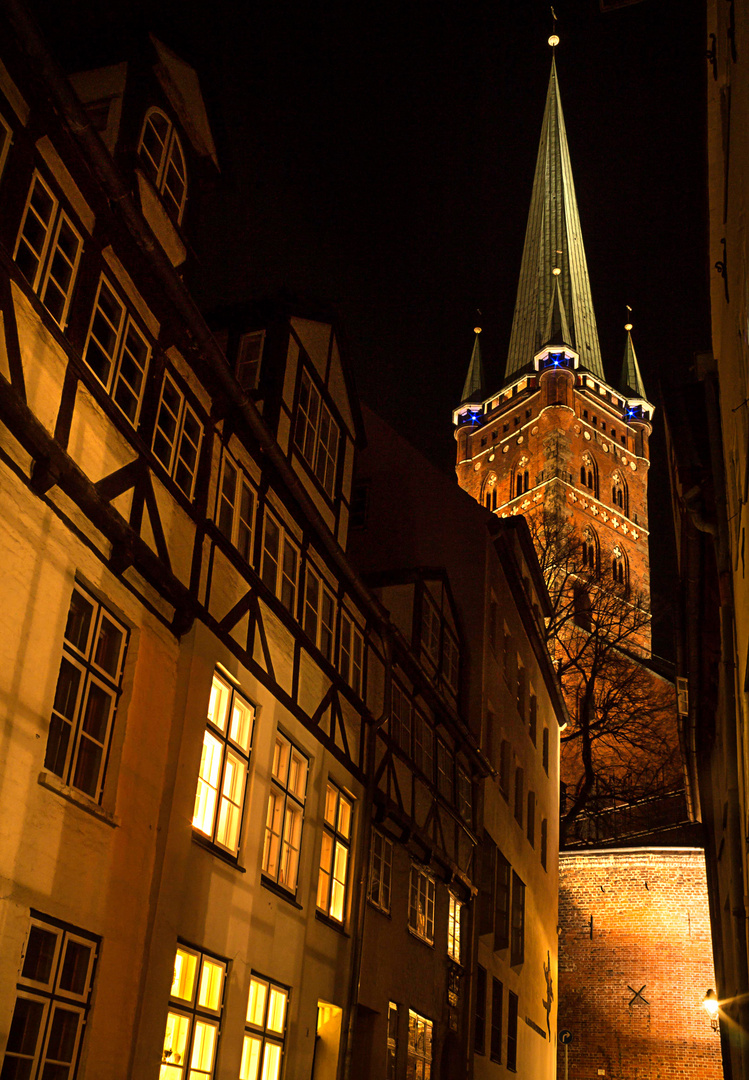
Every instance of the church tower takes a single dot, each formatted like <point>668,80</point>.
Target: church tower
<point>557,436</point>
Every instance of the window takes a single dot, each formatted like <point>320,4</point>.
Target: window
<point>48,250</point>
<point>544,841</point>
<point>334,856</point>
<point>495,1038</point>
<point>319,613</point>
<point>224,763</point>
<point>512,1032</point>
<point>392,1042</point>
<point>177,436</point>
<point>88,687</point>
<point>430,629</point>
<point>249,357</point>
<point>465,796</point>
<point>423,745</point>
<point>380,871</point>
<point>351,657</point>
<point>532,717</point>
<point>517,941</point>
<point>280,569</point>
<point>400,720</point>
<point>445,773</point>
<point>505,764</point>
<point>283,823</point>
<point>590,551</point>
<point>589,474</point>
<point>450,659</point>
<point>421,904</point>
<point>519,796</point>
<point>453,929</point>
<point>530,825</point>
<point>506,647</point>
<point>117,352</point>
<point>6,138</point>
<point>521,691</point>
<point>262,1049</point>
<point>235,514</point>
<point>479,1027</point>
<point>194,1017</point>
<point>618,567</point>
<point>502,904</point>
<point>619,493</point>
<point>545,750</point>
<point>316,434</point>
<point>54,990</point>
<point>163,159</point>
<point>419,1063</point>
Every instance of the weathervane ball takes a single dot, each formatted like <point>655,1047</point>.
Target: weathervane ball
<point>553,40</point>
<point>556,271</point>
<point>477,329</point>
<point>628,326</point>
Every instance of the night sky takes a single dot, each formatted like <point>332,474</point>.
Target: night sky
<point>379,158</point>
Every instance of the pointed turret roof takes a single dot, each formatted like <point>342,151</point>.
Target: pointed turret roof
<point>473,387</point>
<point>631,383</point>
<point>553,239</point>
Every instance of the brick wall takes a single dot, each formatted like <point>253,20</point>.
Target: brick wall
<point>650,933</point>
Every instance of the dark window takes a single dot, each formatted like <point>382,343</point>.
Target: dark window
<point>512,1032</point>
<point>249,358</point>
<point>521,692</point>
<point>517,943</point>
<point>479,1034</point>
<point>531,821</point>
<point>544,841</point>
<point>495,1040</point>
<point>545,750</point>
<point>504,768</point>
<point>519,796</point>
<point>502,904</point>
<point>533,717</point>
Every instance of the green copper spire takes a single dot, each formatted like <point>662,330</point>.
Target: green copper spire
<point>473,387</point>
<point>553,240</point>
<point>631,383</point>
<point>557,328</point>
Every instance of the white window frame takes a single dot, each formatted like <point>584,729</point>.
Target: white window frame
<point>159,171</point>
<point>317,436</point>
<point>335,853</point>
<point>51,247</point>
<point>236,507</point>
<point>177,445</point>
<point>422,893</point>
<point>265,1030</point>
<point>49,995</point>
<point>194,1013</point>
<point>71,736</point>
<point>419,1046</point>
<point>274,569</point>
<point>453,929</point>
<point>224,766</point>
<point>284,822</point>
<point>351,654</point>
<point>319,612</point>
<point>121,351</point>
<point>380,871</point>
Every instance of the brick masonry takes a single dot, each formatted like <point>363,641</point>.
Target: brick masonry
<point>650,932</point>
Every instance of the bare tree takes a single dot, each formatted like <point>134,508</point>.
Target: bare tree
<point>621,745</point>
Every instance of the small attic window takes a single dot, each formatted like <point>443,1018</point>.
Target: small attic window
<point>249,356</point>
<point>163,160</point>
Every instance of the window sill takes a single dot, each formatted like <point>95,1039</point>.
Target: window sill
<point>217,852</point>
<point>376,907</point>
<point>332,923</point>
<point>424,941</point>
<point>278,890</point>
<point>53,783</point>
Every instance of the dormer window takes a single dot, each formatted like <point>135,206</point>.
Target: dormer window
<point>316,434</point>
<point>249,356</point>
<point>163,160</point>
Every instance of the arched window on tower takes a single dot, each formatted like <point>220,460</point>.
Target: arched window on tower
<point>619,567</point>
<point>490,492</point>
<point>520,482</point>
<point>589,474</point>
<point>619,494</point>
<point>590,552</point>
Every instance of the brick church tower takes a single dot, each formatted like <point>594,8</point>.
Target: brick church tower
<point>558,435</point>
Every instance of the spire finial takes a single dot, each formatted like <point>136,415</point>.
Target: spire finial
<point>554,39</point>
<point>628,325</point>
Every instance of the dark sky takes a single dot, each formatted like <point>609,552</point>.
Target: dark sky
<point>380,157</point>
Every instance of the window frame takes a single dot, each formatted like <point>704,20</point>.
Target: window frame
<point>517,922</point>
<point>479,1013</point>
<point>495,1030</point>
<point>519,794</point>
<point>512,1032</point>
<point>391,1064</point>
<point>421,904</point>
<point>185,411</point>
<point>261,1033</point>
<point>445,772</point>
<point>351,659</point>
<point>454,914</point>
<point>380,884</point>
<point>127,324</point>
<point>530,818</point>
<point>331,903</point>
<point>423,744</point>
<point>161,168</point>
<point>308,440</point>
<point>321,632</point>
<point>219,738</point>
<point>241,364</point>
<point>401,718</point>
<point>545,740</point>
<point>544,842</point>
<point>502,902</point>
<point>280,791</point>
<point>234,506</point>
<point>465,796</point>
<point>197,1014</point>
<point>419,1028</point>
<point>284,587</point>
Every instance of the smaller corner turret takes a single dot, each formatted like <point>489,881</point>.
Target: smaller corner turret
<point>638,410</point>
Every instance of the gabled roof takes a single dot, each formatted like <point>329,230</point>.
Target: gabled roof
<point>181,85</point>
<point>473,387</point>
<point>631,383</point>
<point>553,240</point>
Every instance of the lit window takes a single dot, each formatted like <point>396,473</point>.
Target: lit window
<point>495,1036</point>
<point>6,138</point>
<point>249,357</point>
<point>334,855</point>
<point>194,1017</point>
<point>453,929</point>
<point>380,871</point>
<point>423,745</point>
<point>445,773</point>
<point>517,940</point>
<point>316,434</point>
<point>319,613</point>
<point>392,1042</point>
<point>512,1032</point>
<point>54,989</point>
<point>283,823</point>
<point>400,719</point>
<point>421,905</point>
<point>224,763</point>
<point>177,436</point>
<point>544,841</point>
<point>88,687</point>
<point>48,250</point>
<point>117,352</point>
<point>235,515</point>
<point>262,1050</point>
<point>465,797</point>
<point>430,629</point>
<point>419,1062</point>
<point>163,160</point>
<point>351,658</point>
<point>280,570</point>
